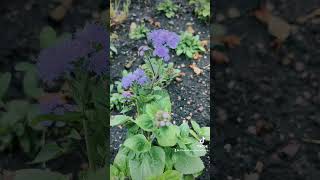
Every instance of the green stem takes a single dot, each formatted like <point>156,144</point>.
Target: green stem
<point>43,143</point>
<point>86,134</point>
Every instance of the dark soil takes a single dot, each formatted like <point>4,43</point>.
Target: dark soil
<point>259,86</point>
<point>191,96</point>
<point>20,25</point>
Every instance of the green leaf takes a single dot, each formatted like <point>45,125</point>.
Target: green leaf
<point>205,132</point>
<point>195,126</point>
<point>119,120</point>
<point>169,160</point>
<point>121,160</point>
<point>195,149</point>
<point>16,111</point>
<point>99,174</point>
<point>184,129</point>
<point>186,164</point>
<point>25,67</point>
<point>168,175</point>
<point>4,83</point>
<point>149,164</point>
<point>31,85</point>
<point>179,52</point>
<point>168,135</point>
<point>37,174</point>
<point>74,134</point>
<point>145,122</point>
<point>138,143</point>
<point>189,54</point>
<point>48,152</point>
<point>48,36</point>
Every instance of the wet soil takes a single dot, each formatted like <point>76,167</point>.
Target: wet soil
<point>261,88</point>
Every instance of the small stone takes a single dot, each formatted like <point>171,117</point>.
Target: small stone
<point>178,79</point>
<point>220,17</point>
<point>233,13</point>
<point>299,66</point>
<point>286,61</point>
<point>222,116</point>
<point>201,108</point>
<point>227,147</point>
<point>252,130</point>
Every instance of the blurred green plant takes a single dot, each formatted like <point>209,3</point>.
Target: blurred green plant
<point>202,8</point>
<point>168,7</point>
<point>138,31</point>
<point>189,45</point>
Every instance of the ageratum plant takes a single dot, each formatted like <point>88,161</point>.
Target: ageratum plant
<point>80,62</point>
<point>156,148</point>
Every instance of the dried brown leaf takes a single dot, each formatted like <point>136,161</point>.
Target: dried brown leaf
<point>157,24</point>
<point>197,56</point>
<point>190,30</point>
<point>196,69</point>
<point>305,18</point>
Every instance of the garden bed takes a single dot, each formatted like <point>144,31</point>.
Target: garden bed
<point>267,98</point>
<point>189,96</point>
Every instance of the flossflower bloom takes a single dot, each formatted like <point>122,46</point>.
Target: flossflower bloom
<point>162,40</point>
<point>138,76</point>
<point>91,44</point>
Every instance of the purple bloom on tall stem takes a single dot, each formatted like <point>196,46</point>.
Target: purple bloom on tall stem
<point>162,52</point>
<point>137,76</point>
<point>162,40</point>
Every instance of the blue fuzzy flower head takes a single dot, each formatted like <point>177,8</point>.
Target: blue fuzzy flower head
<point>54,104</point>
<point>162,40</point>
<point>91,44</point>
<point>138,76</point>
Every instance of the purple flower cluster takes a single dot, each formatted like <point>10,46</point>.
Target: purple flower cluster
<point>59,59</point>
<point>55,105</point>
<point>126,94</point>
<point>137,76</point>
<point>162,40</point>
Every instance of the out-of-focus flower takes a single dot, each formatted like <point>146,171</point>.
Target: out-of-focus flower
<point>162,40</point>
<point>54,61</point>
<point>98,62</point>
<point>93,34</point>
<point>59,59</point>
<point>137,76</point>
<point>54,104</point>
